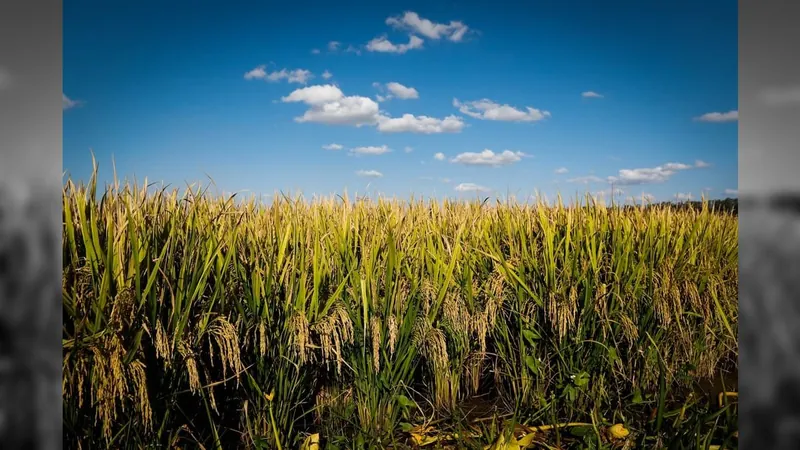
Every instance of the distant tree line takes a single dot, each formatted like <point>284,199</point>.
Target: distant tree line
<point>728,205</point>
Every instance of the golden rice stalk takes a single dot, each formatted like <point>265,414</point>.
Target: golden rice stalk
<point>227,341</point>
<point>162,344</point>
<point>136,373</point>
<point>392,333</point>
<point>375,332</point>
<point>298,324</point>
<point>191,365</point>
<point>334,330</point>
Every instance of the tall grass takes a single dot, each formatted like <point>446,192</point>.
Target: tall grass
<point>194,319</point>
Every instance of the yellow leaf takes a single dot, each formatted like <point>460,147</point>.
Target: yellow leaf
<point>526,440</point>
<point>422,440</point>
<point>270,396</point>
<point>311,442</point>
<point>617,431</point>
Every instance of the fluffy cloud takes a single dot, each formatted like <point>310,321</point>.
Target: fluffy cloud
<point>411,21</point>
<point>561,170</point>
<point>591,94</point>
<point>332,147</point>
<point>488,158</point>
<point>409,123</point>
<point>382,44</point>
<point>680,196</point>
<point>471,187</point>
<point>300,76</point>
<point>373,150</point>
<point>369,173</point>
<point>486,109</point>
<point>402,92</point>
<point>439,156</point>
<point>730,116</point>
<point>315,51</point>
<point>732,191</point>
<point>334,45</point>
<point>67,103</point>
<point>395,90</point>
<point>329,105</point>
<point>585,180</point>
<point>327,75</point>
<point>315,95</point>
<point>781,96</point>
<point>657,174</point>
<point>408,149</point>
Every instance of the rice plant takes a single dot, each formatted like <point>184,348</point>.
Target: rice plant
<point>194,319</point>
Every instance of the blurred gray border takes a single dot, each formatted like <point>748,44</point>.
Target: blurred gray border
<point>769,235</point>
<point>769,95</point>
<point>30,156</point>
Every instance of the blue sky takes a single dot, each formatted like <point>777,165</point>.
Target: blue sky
<point>467,97</point>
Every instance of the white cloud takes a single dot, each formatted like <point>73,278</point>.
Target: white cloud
<point>382,44</point>
<point>330,106</point>
<point>676,166</point>
<point>445,180</point>
<point>410,123</point>
<point>408,149</point>
<point>657,174</point>
<point>591,94</point>
<point>356,111</point>
<point>680,196</point>
<point>315,95</point>
<point>486,109</point>
<point>585,180</point>
<point>334,45</point>
<point>439,156</point>
<point>402,92</point>
<point>561,170</point>
<point>732,191</point>
<point>489,158</point>
<point>259,72</point>
<point>369,173</point>
<point>648,175</point>
<point>781,96</point>
<point>471,187</point>
<point>300,76</point>
<point>373,150</point>
<point>67,103</point>
<point>395,90</point>
<point>730,116</point>
<point>315,51</point>
<point>327,75</point>
<point>411,21</point>
<point>332,147</point>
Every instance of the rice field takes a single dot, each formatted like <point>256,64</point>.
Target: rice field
<point>199,321</point>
